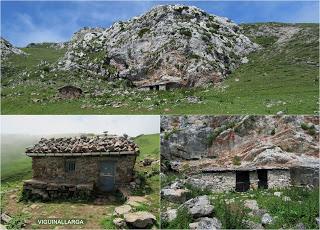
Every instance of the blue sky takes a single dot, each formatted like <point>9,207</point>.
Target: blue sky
<point>25,22</point>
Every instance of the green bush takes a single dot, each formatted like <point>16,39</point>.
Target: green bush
<point>17,221</point>
<point>236,160</point>
<point>143,31</point>
<point>197,191</point>
<point>182,220</point>
<point>231,215</point>
<point>186,32</point>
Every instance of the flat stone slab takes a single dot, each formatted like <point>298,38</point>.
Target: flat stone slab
<point>175,195</point>
<point>206,223</point>
<point>123,209</point>
<point>140,219</point>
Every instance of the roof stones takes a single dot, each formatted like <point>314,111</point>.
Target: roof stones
<point>83,144</point>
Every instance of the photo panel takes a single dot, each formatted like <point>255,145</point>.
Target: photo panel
<point>92,172</point>
<point>243,171</point>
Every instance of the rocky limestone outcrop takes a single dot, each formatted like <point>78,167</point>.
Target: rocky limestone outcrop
<point>196,142</point>
<point>7,49</point>
<point>170,43</point>
<point>84,144</point>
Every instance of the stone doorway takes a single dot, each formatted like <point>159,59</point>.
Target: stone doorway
<point>242,181</point>
<point>263,178</point>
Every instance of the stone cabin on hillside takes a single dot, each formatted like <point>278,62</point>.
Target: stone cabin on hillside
<point>159,86</point>
<point>69,92</point>
<point>80,166</point>
<point>243,179</point>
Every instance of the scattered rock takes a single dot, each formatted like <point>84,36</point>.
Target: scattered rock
<point>13,196</point>
<point>300,226</point>
<point>251,204</point>
<point>266,219</point>
<point>199,206</point>
<point>147,162</point>
<point>206,223</point>
<point>175,195</point>
<point>278,194</point>
<point>286,198</point>
<point>253,225</point>
<point>122,209</point>
<point>119,222</point>
<point>140,219</point>
<point>169,215</point>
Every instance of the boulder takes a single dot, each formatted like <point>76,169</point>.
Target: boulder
<point>169,215</point>
<point>251,204</point>
<point>175,195</point>
<point>199,206</point>
<point>140,219</point>
<point>122,209</point>
<point>119,222</point>
<point>266,219</point>
<point>206,223</point>
<point>278,194</point>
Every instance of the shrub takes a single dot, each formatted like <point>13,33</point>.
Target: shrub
<point>197,191</point>
<point>180,9</point>
<point>236,160</point>
<point>304,126</point>
<point>186,32</point>
<point>231,215</point>
<point>182,220</point>
<point>17,221</point>
<point>143,31</point>
<point>273,132</point>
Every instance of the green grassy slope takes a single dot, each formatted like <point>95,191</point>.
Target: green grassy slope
<point>149,146</point>
<point>14,163</point>
<point>277,78</point>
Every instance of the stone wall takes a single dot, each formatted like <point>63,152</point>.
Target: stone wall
<point>216,182</point>
<point>303,175</point>
<point>86,170</point>
<point>226,181</point>
<point>278,178</point>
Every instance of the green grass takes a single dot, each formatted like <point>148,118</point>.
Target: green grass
<point>149,146</point>
<point>303,207</point>
<point>275,79</point>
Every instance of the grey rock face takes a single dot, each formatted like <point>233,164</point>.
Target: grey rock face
<point>206,223</point>
<point>170,43</point>
<point>199,206</point>
<point>7,49</point>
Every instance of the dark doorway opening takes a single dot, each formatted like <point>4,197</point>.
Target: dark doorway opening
<point>263,178</point>
<point>151,87</point>
<point>157,87</point>
<point>242,181</point>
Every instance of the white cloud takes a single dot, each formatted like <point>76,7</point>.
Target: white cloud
<point>132,125</point>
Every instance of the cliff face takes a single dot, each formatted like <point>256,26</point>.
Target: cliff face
<point>171,43</point>
<point>7,49</point>
<point>234,141</point>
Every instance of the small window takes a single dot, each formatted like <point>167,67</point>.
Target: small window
<point>70,166</point>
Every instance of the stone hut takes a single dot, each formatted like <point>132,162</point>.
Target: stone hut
<point>159,86</point>
<point>80,166</point>
<point>69,92</point>
<point>241,179</point>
